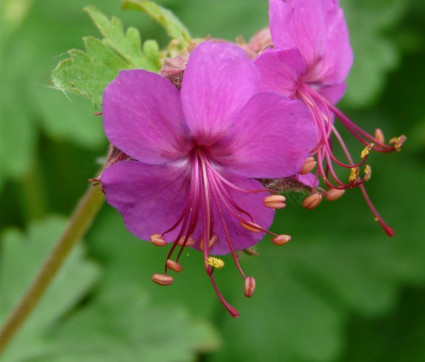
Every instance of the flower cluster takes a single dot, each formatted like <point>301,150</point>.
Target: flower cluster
<point>193,145</point>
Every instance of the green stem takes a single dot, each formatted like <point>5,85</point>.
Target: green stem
<point>80,221</point>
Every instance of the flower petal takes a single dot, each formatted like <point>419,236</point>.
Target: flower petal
<point>281,70</point>
<point>143,117</point>
<point>271,138</point>
<point>333,93</point>
<point>299,24</point>
<point>150,198</point>
<point>218,81</point>
<point>241,238</point>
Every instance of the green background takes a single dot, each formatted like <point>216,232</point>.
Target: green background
<point>341,291</point>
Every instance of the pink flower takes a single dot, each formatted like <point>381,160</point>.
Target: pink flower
<point>195,154</point>
<point>310,61</point>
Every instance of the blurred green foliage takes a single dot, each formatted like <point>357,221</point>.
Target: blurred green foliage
<point>341,291</point>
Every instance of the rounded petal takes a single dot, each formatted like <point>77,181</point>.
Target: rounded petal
<point>143,117</point>
<point>150,198</point>
<point>272,137</point>
<point>333,93</point>
<point>281,70</point>
<point>299,24</point>
<point>218,81</point>
<point>252,204</point>
<point>309,180</point>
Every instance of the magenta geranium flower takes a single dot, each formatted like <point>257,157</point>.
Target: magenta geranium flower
<point>310,61</point>
<point>195,154</point>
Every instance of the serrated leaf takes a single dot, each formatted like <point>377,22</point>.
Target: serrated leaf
<point>21,258</point>
<point>123,325</point>
<point>87,73</point>
<point>173,26</point>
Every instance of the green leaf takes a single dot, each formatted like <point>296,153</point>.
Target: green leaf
<point>375,52</point>
<point>124,325</point>
<point>21,258</point>
<point>173,26</point>
<point>87,73</point>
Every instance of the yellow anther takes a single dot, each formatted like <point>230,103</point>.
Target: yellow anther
<point>367,150</point>
<point>215,262</point>
<point>397,142</point>
<point>367,172</point>
<point>354,174</point>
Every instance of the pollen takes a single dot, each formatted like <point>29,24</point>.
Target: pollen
<point>367,172</point>
<point>215,262</point>
<point>397,142</point>
<point>367,150</point>
<point>354,174</point>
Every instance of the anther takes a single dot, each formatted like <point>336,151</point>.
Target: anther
<point>354,174</point>
<point>173,265</point>
<point>249,286</point>
<point>211,243</point>
<point>158,240</point>
<point>367,172</point>
<point>275,201</point>
<point>309,164</point>
<point>189,241</point>
<point>281,240</point>
<point>334,194</point>
<point>397,142</point>
<point>251,251</point>
<point>215,262</point>
<point>251,226</point>
<point>162,279</point>
<point>367,150</point>
<point>312,201</point>
<point>379,135</point>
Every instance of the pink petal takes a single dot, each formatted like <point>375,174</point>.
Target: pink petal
<point>271,138</point>
<point>241,238</point>
<point>299,24</point>
<point>309,179</point>
<point>281,70</point>
<point>143,117</point>
<point>150,198</point>
<point>218,81</point>
<point>333,93</point>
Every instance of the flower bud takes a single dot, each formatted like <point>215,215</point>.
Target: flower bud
<point>281,240</point>
<point>334,194</point>
<point>162,279</point>
<point>312,201</point>
<point>249,287</point>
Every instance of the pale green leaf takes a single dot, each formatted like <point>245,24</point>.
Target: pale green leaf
<point>173,26</point>
<point>21,258</point>
<point>87,73</point>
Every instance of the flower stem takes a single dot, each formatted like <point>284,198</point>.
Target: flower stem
<point>80,221</point>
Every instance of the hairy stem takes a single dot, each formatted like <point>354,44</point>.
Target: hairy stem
<point>78,225</point>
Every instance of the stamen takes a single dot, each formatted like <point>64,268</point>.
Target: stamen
<point>162,279</point>
<point>367,172</point>
<point>251,252</point>
<point>312,201</point>
<point>250,226</point>
<point>158,240</point>
<point>215,262</point>
<point>281,240</point>
<point>275,201</point>
<point>173,265</point>
<point>309,164</point>
<point>211,243</point>
<point>379,135</point>
<point>397,142</point>
<point>367,150</point>
<point>249,286</point>
<point>189,241</point>
<point>354,174</point>
<point>334,194</point>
